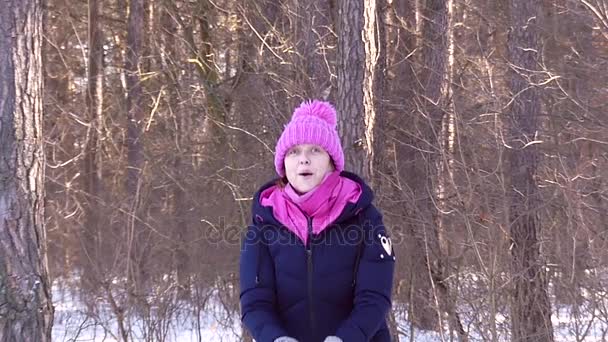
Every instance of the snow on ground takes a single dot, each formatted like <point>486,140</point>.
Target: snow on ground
<point>73,324</point>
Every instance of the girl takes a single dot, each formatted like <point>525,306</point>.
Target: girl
<point>316,262</point>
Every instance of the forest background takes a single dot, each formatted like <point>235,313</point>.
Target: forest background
<point>481,126</point>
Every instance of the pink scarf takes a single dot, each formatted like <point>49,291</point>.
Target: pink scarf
<point>324,204</point>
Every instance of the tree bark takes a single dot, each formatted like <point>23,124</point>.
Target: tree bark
<point>134,95</point>
<point>173,53</point>
<point>351,69</point>
<point>407,161</point>
<point>530,308</point>
<point>312,30</point>
<point>357,54</point>
<point>92,164</point>
<point>374,77</point>
<point>135,146</point>
<point>433,126</point>
<point>26,313</point>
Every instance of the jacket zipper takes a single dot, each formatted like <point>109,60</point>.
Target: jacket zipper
<point>309,261</point>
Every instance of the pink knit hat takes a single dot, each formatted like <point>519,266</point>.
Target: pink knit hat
<point>313,122</point>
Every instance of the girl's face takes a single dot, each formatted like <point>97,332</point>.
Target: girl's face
<point>306,165</point>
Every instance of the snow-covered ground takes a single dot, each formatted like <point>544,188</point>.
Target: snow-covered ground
<point>215,324</point>
<point>73,322</point>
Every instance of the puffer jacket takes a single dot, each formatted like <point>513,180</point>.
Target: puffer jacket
<point>338,284</point>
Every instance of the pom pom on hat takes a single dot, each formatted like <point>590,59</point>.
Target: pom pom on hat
<point>313,122</point>
<point>320,109</point>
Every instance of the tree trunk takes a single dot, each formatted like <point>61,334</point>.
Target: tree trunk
<point>251,82</point>
<point>434,99</point>
<point>92,164</point>
<point>217,104</point>
<point>134,95</point>
<point>174,52</point>
<point>374,78</point>
<point>407,160</point>
<point>311,24</point>
<point>566,31</point>
<point>135,146</point>
<point>378,137</point>
<point>26,313</point>
<point>355,69</point>
<point>530,307</point>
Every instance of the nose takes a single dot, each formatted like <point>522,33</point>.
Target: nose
<point>304,160</point>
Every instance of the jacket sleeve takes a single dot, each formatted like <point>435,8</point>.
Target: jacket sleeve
<point>257,288</point>
<point>372,300</point>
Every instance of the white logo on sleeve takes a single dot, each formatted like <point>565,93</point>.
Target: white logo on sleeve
<point>386,244</point>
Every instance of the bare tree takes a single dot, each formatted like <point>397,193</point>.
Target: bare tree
<point>530,308</point>
<point>26,313</point>
<point>135,116</point>
<point>92,159</point>
<point>357,54</point>
<point>432,123</point>
<point>311,22</point>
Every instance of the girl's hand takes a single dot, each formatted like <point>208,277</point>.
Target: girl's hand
<point>333,339</point>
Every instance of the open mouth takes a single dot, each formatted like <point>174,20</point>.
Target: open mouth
<point>305,174</point>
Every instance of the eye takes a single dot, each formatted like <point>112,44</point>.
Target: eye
<point>292,152</point>
<point>316,149</point>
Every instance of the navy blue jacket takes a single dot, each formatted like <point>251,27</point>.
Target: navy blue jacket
<point>338,284</point>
